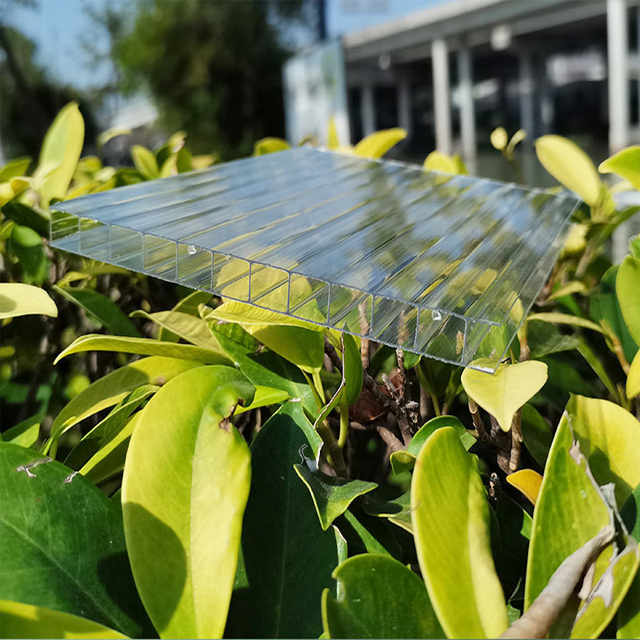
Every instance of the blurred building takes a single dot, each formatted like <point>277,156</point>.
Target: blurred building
<point>451,73</point>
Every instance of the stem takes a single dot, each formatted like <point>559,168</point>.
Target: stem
<point>344,422</point>
<point>478,423</point>
<point>436,404</point>
<point>332,450</point>
<point>516,441</point>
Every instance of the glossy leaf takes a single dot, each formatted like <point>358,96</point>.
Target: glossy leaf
<point>61,148</point>
<point>544,338</point>
<point>626,164</point>
<point>295,340</point>
<point>605,308</point>
<point>571,510</point>
<point>108,428</point>
<point>184,490</point>
<point>396,509</point>
<point>628,290</point>
<point>629,612</point>
<point>188,327</point>
<point>633,379</point>
<point>536,434</point>
<point>189,305</point>
<point>29,249</point>
<point>366,534</point>
<point>18,620</point>
<point>143,347</point>
<point>17,299</point>
<point>331,496</point>
<point>456,561</point>
<point>353,372</point>
<point>565,318</point>
<point>378,598</point>
<point>103,309</point>
<point>265,368</point>
<point>405,460</point>
<point>440,162</point>
<point>528,482</point>
<point>570,166</point>
<point>505,391</point>
<point>263,397</point>
<point>145,162</point>
<point>27,216</point>
<point>63,546</point>
<point>288,559</point>
<point>25,433</point>
<point>610,437</point>
<point>375,145</point>
<point>14,168</point>
<point>114,387</point>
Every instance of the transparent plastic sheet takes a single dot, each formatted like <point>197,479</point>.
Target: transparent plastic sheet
<point>444,266</point>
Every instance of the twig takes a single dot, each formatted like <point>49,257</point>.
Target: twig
<point>424,404</point>
<point>516,441</point>
<point>501,442</point>
<point>478,423</point>
<point>402,374</point>
<point>365,346</point>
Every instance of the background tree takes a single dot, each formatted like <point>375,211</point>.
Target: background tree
<point>214,69</point>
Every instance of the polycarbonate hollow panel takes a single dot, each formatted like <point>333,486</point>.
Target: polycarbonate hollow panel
<point>444,266</point>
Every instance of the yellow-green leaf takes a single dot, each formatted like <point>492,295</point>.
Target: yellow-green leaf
<point>184,492</point>
<point>115,386</point>
<point>14,168</point>
<point>626,164</point>
<point>528,482</point>
<point>576,239</point>
<point>18,620</point>
<point>333,141</point>
<point>633,379</point>
<point>628,292</point>
<point>499,138</point>
<point>570,166</point>
<point>450,516</point>
<point>566,318</point>
<point>184,325</point>
<point>143,347</point>
<point>145,162</point>
<point>568,289</point>
<point>62,147</point>
<point>440,162</point>
<point>18,299</point>
<point>505,391</point>
<point>377,144</point>
<point>112,133</point>
<point>270,145</point>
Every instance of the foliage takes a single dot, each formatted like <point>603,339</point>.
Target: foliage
<point>223,470</point>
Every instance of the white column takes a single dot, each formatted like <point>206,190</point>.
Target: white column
<point>367,110</point>
<point>404,105</point>
<point>618,52</point>
<point>467,110</point>
<point>527,111</point>
<point>441,102</point>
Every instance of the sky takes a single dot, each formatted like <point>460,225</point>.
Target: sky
<point>58,26</point>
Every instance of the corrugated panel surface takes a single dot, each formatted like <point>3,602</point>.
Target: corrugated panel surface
<point>432,263</point>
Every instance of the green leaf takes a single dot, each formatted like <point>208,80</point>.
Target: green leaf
<point>366,534</point>
<point>633,378</point>
<point>14,168</point>
<point>103,309</point>
<point>629,612</point>
<point>499,138</point>
<point>264,368</point>
<point>353,372</point>
<point>505,391</point>
<point>114,387</point>
<point>184,490</point>
<point>605,308</point>
<point>107,429</point>
<point>24,434</point>
<point>594,362</point>
<point>295,340</point>
<point>405,460</point>
<point>112,133</point>
<point>331,496</point>
<point>378,598</point>
<point>29,249</point>
<point>544,338</point>
<point>145,162</point>
<point>61,148</point>
<point>190,328</point>
<point>626,164</point>
<point>270,145</point>
<point>27,216</point>
<point>18,620</point>
<point>63,546</point>
<point>628,291</point>
<point>375,145</point>
<point>142,346</point>
<point>456,561</point>
<point>263,397</point>
<point>568,289</point>
<point>441,162</point>
<point>17,299</point>
<point>288,559</point>
<point>570,166</point>
<point>536,434</point>
<point>396,509</point>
